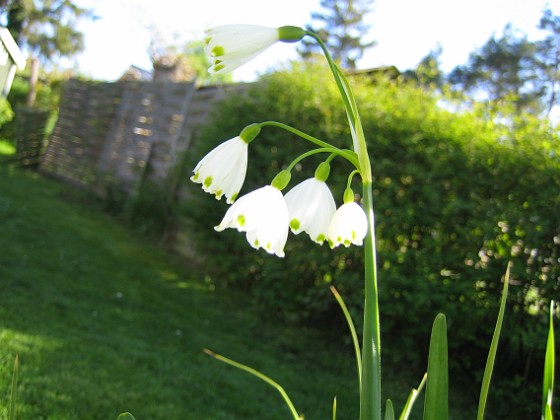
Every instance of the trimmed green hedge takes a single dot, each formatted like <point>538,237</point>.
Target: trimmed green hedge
<point>457,194</point>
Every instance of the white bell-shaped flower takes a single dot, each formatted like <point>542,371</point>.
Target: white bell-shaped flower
<point>231,46</point>
<point>348,225</point>
<point>263,215</point>
<point>223,170</point>
<point>311,207</point>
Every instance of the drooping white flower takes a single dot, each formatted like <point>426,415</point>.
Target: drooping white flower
<point>348,225</point>
<point>223,170</point>
<point>263,215</point>
<point>231,46</point>
<point>311,207</point>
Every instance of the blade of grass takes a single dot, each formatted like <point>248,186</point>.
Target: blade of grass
<point>259,375</point>
<point>389,411</point>
<point>493,349</point>
<point>13,396</point>
<point>548,376</point>
<point>436,402</point>
<point>412,399</point>
<point>125,416</point>
<point>352,331</point>
<point>334,409</point>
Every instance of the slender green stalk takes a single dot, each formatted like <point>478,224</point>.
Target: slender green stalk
<point>352,331</point>
<point>261,376</point>
<point>412,399</point>
<point>370,402</point>
<point>370,399</point>
<point>334,409</point>
<point>493,349</point>
<point>348,154</point>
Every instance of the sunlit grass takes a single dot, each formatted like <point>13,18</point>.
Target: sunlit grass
<point>104,322</point>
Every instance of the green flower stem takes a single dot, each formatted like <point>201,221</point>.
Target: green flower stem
<point>370,401</point>
<point>347,154</point>
<point>336,74</point>
<point>332,151</point>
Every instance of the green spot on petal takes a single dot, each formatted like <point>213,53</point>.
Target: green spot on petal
<point>321,238</point>
<point>234,197</point>
<point>241,220</point>
<point>218,51</point>
<point>208,181</point>
<point>219,194</point>
<point>295,224</point>
<point>195,176</point>
<point>218,66</point>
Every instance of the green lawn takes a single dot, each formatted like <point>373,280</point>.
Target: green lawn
<point>104,322</point>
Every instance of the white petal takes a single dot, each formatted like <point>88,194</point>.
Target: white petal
<point>311,207</point>
<point>223,170</point>
<point>263,215</point>
<point>231,46</point>
<point>348,225</point>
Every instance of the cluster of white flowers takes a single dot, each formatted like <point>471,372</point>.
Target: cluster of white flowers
<point>266,215</point>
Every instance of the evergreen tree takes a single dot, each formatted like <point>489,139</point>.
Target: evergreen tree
<point>341,26</point>
<point>502,68</point>
<point>548,60</point>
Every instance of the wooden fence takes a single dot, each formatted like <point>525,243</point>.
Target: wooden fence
<point>126,132</point>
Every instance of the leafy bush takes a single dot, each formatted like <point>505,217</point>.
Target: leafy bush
<point>458,194</point>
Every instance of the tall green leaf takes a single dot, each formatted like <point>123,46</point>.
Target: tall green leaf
<point>437,386</point>
<point>548,377</point>
<point>493,349</point>
<point>389,411</point>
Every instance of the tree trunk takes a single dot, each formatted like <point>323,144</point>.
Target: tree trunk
<point>33,78</point>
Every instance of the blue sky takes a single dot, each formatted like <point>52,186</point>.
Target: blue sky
<point>405,30</point>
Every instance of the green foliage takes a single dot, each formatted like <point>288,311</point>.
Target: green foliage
<point>6,113</point>
<point>456,193</point>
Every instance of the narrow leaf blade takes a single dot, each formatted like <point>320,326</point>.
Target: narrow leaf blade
<point>493,350</point>
<point>437,386</point>
<point>389,411</point>
<point>549,365</point>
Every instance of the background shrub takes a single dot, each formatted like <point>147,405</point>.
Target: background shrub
<point>457,195</point>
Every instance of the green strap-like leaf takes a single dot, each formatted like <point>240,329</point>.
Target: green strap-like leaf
<point>389,411</point>
<point>125,416</point>
<point>548,376</point>
<point>493,349</point>
<point>437,386</point>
